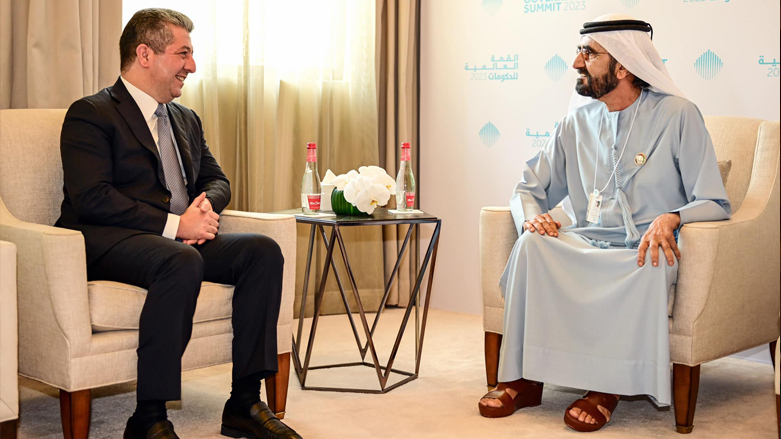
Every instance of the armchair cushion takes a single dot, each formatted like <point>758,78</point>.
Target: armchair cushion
<point>114,306</point>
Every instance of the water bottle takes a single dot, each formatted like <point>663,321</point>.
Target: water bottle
<point>405,182</point>
<point>310,184</point>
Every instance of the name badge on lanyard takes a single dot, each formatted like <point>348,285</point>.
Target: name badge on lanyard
<point>594,206</point>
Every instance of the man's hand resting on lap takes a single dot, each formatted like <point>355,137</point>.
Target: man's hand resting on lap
<point>544,224</point>
<point>199,222</point>
<point>660,233</point>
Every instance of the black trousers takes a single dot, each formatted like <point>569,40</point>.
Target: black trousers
<point>172,272</point>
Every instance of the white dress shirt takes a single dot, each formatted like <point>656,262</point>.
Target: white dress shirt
<point>148,105</point>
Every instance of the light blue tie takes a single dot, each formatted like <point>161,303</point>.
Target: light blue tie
<point>173,173</point>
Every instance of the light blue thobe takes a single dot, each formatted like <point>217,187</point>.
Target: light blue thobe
<point>579,312</point>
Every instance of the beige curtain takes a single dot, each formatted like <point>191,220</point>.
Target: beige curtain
<point>55,52</point>
<point>397,59</point>
<point>272,76</point>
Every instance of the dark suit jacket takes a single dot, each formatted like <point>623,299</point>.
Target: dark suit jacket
<point>114,182</point>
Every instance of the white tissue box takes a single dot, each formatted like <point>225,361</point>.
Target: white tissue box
<point>325,198</point>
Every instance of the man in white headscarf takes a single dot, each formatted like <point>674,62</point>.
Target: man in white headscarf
<point>586,305</point>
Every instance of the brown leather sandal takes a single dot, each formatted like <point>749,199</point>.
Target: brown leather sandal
<point>529,395</point>
<point>588,404</point>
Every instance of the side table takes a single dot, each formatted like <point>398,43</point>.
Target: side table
<point>380,217</point>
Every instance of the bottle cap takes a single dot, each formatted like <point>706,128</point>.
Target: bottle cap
<point>311,145</point>
<point>405,145</point>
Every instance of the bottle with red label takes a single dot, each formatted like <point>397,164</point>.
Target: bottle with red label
<point>310,184</point>
<point>405,182</point>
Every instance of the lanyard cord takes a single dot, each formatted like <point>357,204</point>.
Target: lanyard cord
<point>599,140</point>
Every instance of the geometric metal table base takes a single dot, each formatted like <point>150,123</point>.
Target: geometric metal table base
<point>410,376</point>
<point>380,218</point>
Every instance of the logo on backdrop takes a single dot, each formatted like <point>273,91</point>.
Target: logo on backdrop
<point>489,134</point>
<point>539,140</point>
<point>541,6</point>
<point>492,6</point>
<point>556,68</point>
<point>772,66</point>
<point>501,68</point>
<point>708,65</point>
<point>630,3</point>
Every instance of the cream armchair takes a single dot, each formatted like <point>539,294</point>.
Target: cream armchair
<point>69,333</point>
<point>9,341</point>
<point>727,295</point>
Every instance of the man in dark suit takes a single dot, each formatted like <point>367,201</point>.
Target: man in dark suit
<point>143,188</point>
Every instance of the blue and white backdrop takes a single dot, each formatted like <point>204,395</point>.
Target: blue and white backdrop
<point>496,79</point>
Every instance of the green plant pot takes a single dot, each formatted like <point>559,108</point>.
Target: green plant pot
<point>342,206</point>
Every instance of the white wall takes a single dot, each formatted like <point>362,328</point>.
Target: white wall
<point>460,172</point>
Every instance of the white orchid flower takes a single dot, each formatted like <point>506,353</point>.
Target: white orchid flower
<point>341,181</point>
<point>355,186</point>
<point>369,198</point>
<point>370,170</point>
<point>366,189</point>
<point>385,180</point>
<point>378,175</point>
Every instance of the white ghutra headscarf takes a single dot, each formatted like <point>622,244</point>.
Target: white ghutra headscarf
<point>634,49</point>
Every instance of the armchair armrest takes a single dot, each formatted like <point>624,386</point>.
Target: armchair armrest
<point>54,319</point>
<point>497,237</point>
<point>9,336</point>
<point>281,228</point>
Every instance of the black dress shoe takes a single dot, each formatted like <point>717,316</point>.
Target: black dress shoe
<point>262,424</point>
<point>160,430</point>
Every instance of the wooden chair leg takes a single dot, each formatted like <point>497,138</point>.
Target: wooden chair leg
<point>778,398</point>
<point>8,429</point>
<point>276,386</point>
<point>778,414</point>
<point>493,343</point>
<point>75,411</point>
<point>686,384</point>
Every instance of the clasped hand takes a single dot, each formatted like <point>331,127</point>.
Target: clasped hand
<point>660,234</point>
<point>199,222</point>
<point>544,224</point>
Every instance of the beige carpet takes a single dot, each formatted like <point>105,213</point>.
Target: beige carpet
<point>736,397</point>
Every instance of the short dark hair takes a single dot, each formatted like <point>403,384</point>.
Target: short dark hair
<point>637,82</point>
<point>150,27</point>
